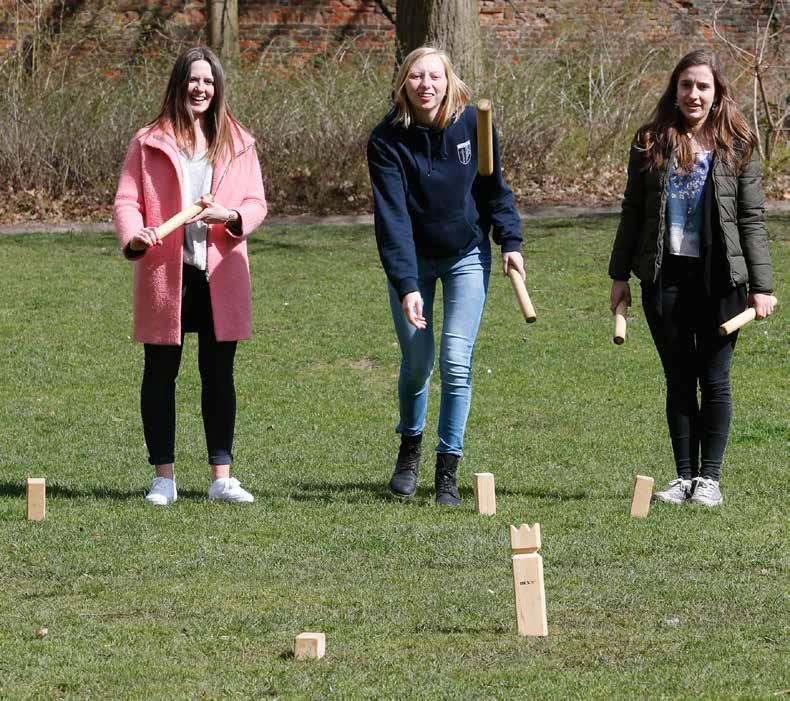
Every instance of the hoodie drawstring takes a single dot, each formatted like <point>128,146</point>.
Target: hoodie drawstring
<point>430,151</point>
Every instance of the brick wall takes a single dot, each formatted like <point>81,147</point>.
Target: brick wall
<point>296,30</point>
<point>521,24</point>
<point>304,28</point>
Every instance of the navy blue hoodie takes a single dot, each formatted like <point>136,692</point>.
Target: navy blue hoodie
<point>429,199</point>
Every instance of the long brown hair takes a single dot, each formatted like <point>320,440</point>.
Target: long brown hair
<point>455,100</point>
<point>664,135</point>
<point>175,114</point>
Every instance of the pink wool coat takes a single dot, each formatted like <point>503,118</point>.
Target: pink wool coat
<point>149,193</point>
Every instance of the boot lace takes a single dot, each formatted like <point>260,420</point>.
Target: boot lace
<point>408,458</point>
<point>445,481</point>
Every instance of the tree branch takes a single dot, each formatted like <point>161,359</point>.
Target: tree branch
<point>385,11</point>
<point>742,55</point>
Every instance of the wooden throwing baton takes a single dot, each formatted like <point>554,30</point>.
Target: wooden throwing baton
<point>620,323</point>
<point>181,218</point>
<point>485,167</point>
<point>485,138</point>
<point>740,320</point>
<point>521,294</point>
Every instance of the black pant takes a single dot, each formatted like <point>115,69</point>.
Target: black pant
<point>215,362</point>
<point>684,321</point>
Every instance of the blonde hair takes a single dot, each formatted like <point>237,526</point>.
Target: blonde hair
<point>455,100</point>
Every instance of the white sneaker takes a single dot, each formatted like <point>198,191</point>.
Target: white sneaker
<point>706,492</point>
<point>229,489</point>
<point>677,491</point>
<point>163,492</point>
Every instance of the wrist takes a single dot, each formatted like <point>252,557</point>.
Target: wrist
<point>232,218</point>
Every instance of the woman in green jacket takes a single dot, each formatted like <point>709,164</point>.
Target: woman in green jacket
<point>692,230</point>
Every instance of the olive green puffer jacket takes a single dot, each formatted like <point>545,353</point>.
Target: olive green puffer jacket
<point>639,244</point>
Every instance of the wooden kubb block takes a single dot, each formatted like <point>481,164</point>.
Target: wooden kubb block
<point>485,494</point>
<point>309,646</point>
<point>36,499</point>
<point>643,492</point>
<point>528,587</point>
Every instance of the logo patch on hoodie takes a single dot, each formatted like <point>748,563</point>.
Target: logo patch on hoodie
<point>464,152</point>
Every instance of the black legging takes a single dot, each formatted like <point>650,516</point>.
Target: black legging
<point>218,395</point>
<point>684,323</point>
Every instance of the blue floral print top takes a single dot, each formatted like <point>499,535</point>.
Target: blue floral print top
<point>685,206</point>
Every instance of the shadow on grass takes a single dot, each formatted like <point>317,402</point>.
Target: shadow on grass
<point>368,492</point>
<point>327,492</point>
<point>15,489</point>
<point>460,630</point>
<point>539,493</point>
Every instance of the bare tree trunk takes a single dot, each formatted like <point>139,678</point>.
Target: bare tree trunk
<point>223,27</point>
<point>452,25</point>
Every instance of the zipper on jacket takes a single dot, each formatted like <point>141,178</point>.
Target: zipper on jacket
<point>664,182</point>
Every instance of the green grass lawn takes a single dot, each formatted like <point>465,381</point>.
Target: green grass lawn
<point>202,601</point>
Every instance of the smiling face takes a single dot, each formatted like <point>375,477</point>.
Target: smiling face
<point>426,86</point>
<point>200,88</point>
<point>696,92</point>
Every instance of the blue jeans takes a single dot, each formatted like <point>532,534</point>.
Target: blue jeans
<point>464,287</point>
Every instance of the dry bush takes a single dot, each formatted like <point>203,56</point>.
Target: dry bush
<point>565,115</point>
<point>312,124</point>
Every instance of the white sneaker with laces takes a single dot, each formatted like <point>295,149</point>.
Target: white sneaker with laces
<point>229,489</point>
<point>163,492</point>
<point>676,492</point>
<point>706,492</point>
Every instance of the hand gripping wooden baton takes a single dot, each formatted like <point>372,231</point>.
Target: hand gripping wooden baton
<point>619,323</point>
<point>485,139</point>
<point>485,167</point>
<point>193,210</point>
<point>740,320</point>
<point>182,217</point>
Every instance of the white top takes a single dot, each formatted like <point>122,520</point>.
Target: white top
<point>196,174</point>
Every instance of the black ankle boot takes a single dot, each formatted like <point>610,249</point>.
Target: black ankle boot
<point>407,467</point>
<point>446,489</point>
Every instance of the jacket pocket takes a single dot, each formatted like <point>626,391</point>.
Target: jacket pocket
<point>443,236</point>
<point>727,207</point>
<point>732,239</point>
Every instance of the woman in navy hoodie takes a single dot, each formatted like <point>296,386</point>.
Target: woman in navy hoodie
<point>433,213</point>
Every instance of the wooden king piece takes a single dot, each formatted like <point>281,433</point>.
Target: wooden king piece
<point>36,499</point>
<point>643,492</point>
<point>485,495</point>
<point>528,580</point>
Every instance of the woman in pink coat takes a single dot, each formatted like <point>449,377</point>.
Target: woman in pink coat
<point>197,279</point>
